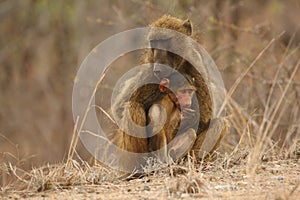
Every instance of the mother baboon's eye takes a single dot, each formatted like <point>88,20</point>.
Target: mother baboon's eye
<point>160,43</point>
<point>153,44</point>
<point>152,51</point>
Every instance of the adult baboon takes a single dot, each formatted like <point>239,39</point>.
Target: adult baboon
<point>137,107</point>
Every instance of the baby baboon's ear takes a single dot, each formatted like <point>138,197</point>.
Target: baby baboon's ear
<point>188,26</point>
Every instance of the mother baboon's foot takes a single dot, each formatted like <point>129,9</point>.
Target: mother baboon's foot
<point>182,144</point>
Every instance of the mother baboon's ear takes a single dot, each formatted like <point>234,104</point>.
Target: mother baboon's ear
<point>188,26</point>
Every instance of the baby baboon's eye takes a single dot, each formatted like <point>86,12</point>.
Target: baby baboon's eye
<point>188,91</point>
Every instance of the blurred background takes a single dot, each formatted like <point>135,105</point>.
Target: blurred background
<point>44,42</point>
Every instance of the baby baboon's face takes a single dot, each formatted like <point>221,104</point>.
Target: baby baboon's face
<point>184,87</point>
<point>185,95</point>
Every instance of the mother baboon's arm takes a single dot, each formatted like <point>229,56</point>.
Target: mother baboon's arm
<point>126,88</point>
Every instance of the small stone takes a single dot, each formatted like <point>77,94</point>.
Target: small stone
<point>146,188</point>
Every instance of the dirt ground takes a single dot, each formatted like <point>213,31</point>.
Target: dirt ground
<point>231,177</point>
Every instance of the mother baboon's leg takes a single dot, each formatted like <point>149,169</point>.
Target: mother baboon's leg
<point>126,142</point>
<point>209,140</point>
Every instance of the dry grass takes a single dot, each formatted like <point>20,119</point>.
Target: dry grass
<point>276,176</point>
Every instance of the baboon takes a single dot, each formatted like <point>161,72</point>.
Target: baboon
<point>136,109</point>
<point>173,119</point>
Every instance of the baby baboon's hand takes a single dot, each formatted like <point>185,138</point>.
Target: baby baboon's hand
<point>189,117</point>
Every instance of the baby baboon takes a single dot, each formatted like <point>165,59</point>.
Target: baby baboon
<point>140,101</point>
<point>172,119</point>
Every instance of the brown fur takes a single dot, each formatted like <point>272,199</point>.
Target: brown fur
<point>144,97</point>
<point>173,23</point>
<point>173,116</point>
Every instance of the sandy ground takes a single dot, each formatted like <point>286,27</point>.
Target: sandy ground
<point>277,179</point>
